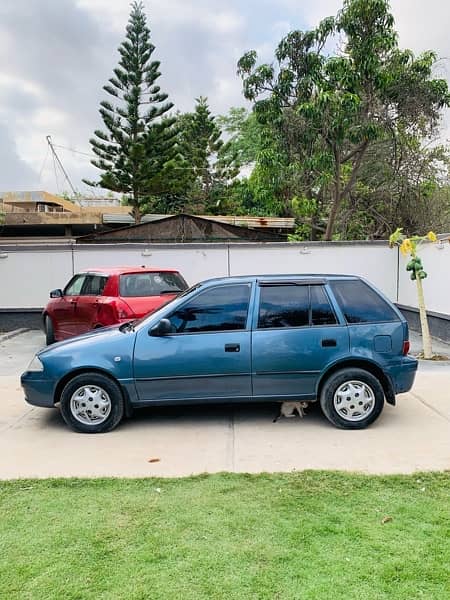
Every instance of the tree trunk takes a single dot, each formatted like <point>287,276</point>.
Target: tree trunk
<point>340,193</point>
<point>137,215</point>
<point>337,197</point>
<point>426,338</point>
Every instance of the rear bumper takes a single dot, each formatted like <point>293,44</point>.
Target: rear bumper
<point>38,392</point>
<point>403,374</point>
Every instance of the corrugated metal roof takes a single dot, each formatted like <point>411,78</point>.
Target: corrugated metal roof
<point>246,221</point>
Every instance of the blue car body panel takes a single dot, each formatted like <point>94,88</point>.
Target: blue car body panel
<point>246,364</point>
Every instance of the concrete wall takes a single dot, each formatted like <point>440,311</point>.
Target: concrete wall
<point>28,273</point>
<point>436,287</point>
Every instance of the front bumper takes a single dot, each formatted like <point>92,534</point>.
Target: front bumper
<point>38,391</point>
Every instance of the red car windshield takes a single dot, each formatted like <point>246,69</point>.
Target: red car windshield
<point>135,285</point>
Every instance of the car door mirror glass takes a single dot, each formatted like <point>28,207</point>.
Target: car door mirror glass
<point>56,294</point>
<point>164,327</point>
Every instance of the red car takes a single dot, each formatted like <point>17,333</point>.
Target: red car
<point>106,296</point>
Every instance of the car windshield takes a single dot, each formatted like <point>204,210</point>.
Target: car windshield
<point>135,285</point>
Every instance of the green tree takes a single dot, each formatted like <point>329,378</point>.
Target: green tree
<point>208,170</point>
<point>140,142</point>
<point>405,182</point>
<point>257,144</point>
<point>338,106</point>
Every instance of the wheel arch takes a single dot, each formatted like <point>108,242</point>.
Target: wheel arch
<point>366,365</point>
<point>68,376</point>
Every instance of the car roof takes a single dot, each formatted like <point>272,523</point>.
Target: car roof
<point>322,277</point>
<point>127,270</point>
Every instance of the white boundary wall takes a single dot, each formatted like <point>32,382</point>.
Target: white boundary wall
<point>28,272</point>
<point>436,287</point>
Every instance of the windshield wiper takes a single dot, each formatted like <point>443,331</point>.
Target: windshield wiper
<point>169,292</point>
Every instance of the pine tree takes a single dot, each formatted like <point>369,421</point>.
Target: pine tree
<point>201,143</point>
<point>141,140</point>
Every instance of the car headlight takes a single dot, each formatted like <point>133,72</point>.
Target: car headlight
<point>35,365</point>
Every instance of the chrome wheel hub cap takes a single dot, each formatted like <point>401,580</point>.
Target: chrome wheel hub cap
<point>354,400</point>
<point>90,405</point>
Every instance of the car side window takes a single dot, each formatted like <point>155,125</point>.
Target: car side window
<point>284,306</point>
<point>223,308</point>
<point>74,286</point>
<point>360,303</point>
<point>294,306</point>
<point>321,311</point>
<point>94,285</point>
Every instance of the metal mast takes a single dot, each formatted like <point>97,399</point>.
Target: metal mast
<point>56,157</point>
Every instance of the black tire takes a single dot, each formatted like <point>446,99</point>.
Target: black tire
<point>92,403</point>
<point>361,407</point>
<point>49,331</point>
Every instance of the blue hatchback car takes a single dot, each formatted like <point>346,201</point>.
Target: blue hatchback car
<point>274,338</point>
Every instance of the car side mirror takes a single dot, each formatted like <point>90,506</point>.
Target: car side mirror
<point>56,294</point>
<point>164,327</point>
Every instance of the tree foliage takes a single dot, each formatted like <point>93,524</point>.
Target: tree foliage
<point>331,110</point>
<point>209,165</point>
<point>139,144</point>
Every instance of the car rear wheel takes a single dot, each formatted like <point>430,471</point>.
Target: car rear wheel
<point>352,398</point>
<point>92,403</point>
<point>49,331</point>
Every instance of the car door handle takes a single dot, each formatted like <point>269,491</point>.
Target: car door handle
<point>329,343</point>
<point>73,301</point>
<point>232,347</point>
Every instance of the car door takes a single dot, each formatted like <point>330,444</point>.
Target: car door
<point>206,358</point>
<point>297,334</point>
<point>87,305</point>
<point>64,309</point>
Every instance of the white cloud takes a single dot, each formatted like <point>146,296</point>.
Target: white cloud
<point>55,56</point>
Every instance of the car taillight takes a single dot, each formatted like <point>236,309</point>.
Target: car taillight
<point>406,346</point>
<point>110,313</point>
<point>124,314</point>
<point>123,310</point>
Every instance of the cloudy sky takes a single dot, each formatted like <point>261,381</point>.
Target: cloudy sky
<point>55,56</point>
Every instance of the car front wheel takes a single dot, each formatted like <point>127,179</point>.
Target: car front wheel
<point>352,398</point>
<point>92,403</point>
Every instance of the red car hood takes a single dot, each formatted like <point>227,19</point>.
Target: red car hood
<point>143,305</point>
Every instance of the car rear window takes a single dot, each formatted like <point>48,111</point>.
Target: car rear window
<point>151,284</point>
<point>360,303</point>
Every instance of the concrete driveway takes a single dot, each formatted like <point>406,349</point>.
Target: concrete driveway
<point>177,441</point>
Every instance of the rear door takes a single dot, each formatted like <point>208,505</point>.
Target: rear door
<point>296,335</point>
<point>87,305</point>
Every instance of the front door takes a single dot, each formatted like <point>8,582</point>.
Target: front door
<point>64,310</point>
<point>206,358</point>
<point>296,336</point>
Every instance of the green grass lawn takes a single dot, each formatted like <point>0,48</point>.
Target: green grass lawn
<point>309,535</point>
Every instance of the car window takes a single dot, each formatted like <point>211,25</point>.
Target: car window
<point>150,284</point>
<point>360,303</point>
<point>294,306</point>
<point>284,306</point>
<point>321,310</point>
<point>94,285</point>
<point>73,288</point>
<point>223,308</point>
